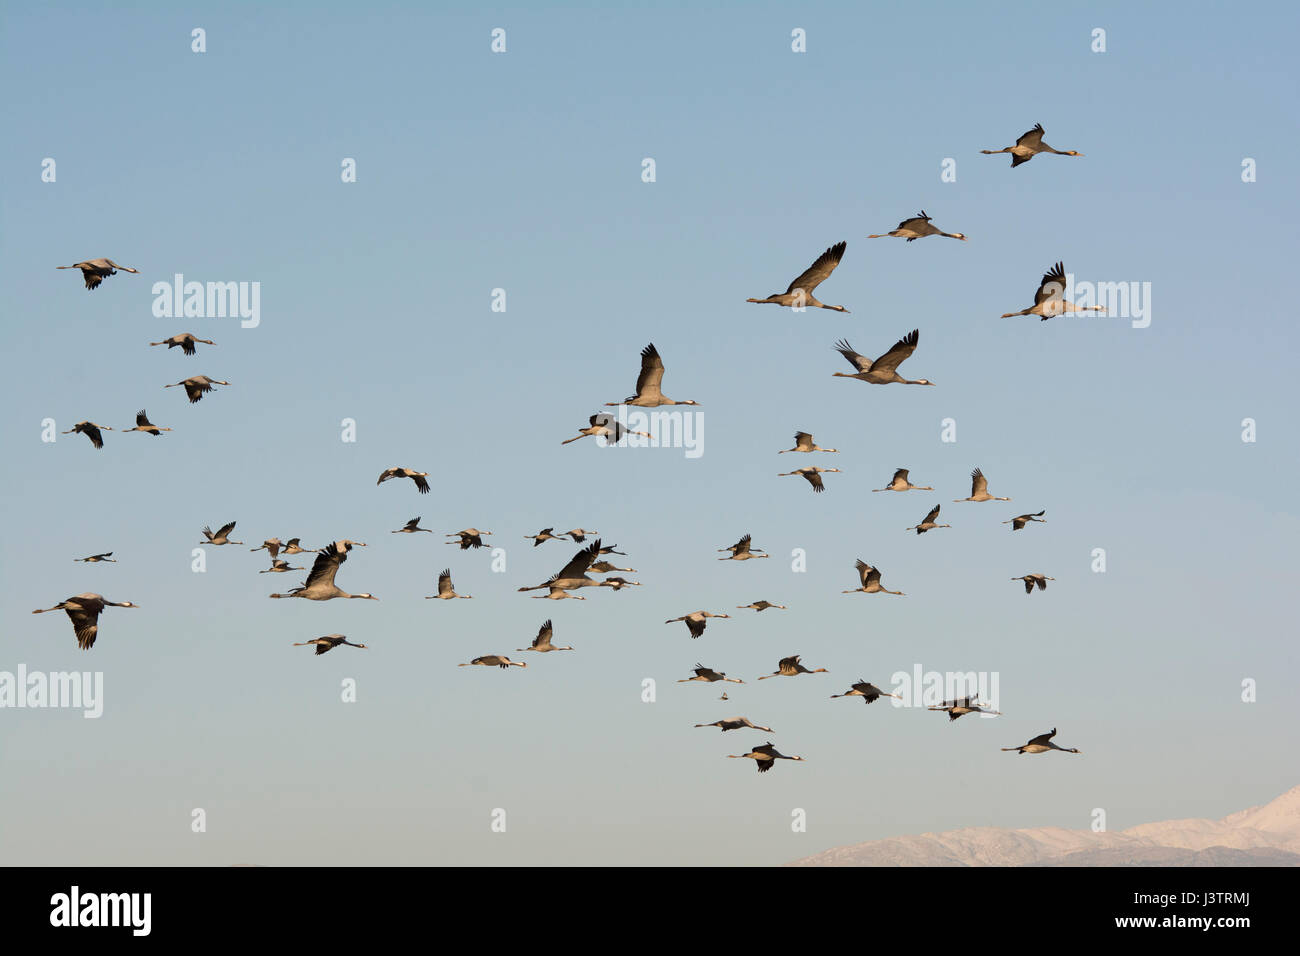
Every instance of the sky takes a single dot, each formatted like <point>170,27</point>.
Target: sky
<point>523,171</point>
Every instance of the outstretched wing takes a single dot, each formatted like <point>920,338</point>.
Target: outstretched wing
<point>978,483</point>
<point>863,570</point>
<point>1042,738</point>
<point>543,637</point>
<point>819,271</point>
<point>857,360</point>
<point>226,529</point>
<point>652,373</point>
<point>934,513</point>
<point>1052,286</point>
<point>581,562</point>
<point>444,581</point>
<point>326,566</point>
<point>142,419</point>
<point>900,351</point>
<point>1033,138</point>
<point>815,479</point>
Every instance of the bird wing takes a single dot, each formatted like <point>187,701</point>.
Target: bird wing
<point>863,570</point>
<point>934,513</point>
<point>412,523</point>
<point>818,272</point>
<point>386,474</point>
<point>1033,137</point>
<point>543,637</point>
<point>741,546</point>
<point>696,627</point>
<point>85,624</point>
<point>326,566</point>
<point>788,663</point>
<point>142,419</point>
<point>978,483</point>
<point>226,529</point>
<point>1029,585</point>
<point>1042,738</point>
<point>580,562</point>
<point>803,441</point>
<point>421,484</point>
<point>857,360</point>
<point>815,479</point>
<point>444,581</point>
<point>1052,286</point>
<point>652,373</point>
<point>901,474</point>
<point>916,223</point>
<point>186,343</point>
<point>873,576</point>
<point>900,351</point>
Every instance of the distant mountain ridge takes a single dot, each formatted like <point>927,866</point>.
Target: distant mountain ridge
<point>1267,835</point>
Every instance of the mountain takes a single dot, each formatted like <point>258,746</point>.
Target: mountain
<point>1267,835</point>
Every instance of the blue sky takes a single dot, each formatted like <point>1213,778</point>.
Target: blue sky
<point>522,171</point>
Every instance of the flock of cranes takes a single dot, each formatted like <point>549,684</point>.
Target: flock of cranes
<point>320,584</point>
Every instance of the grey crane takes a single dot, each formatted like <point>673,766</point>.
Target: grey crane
<point>759,606</point>
<point>812,473</point>
<point>542,642</point>
<point>90,430</point>
<point>280,566</point>
<point>1020,521</point>
<point>604,567</point>
<point>709,675</point>
<point>606,426</point>
<point>736,723</point>
<point>142,424</point>
<point>292,546</point>
<point>869,692</point>
<point>790,667</point>
<point>320,584</point>
<point>928,522</point>
<point>185,340</point>
<point>272,545</point>
<point>618,583</point>
<point>96,558</point>
<point>84,610</point>
<point>1029,145</point>
<point>648,394</point>
<point>221,537</point>
<point>963,706</point>
<point>696,621</point>
<point>469,538</point>
<point>1049,299</point>
<point>884,370</point>
<point>579,535</point>
<point>327,643</point>
<point>543,536</point>
<point>494,660</point>
<point>400,472</point>
<point>743,550</point>
<point>445,590</point>
<point>197,386</point>
<point>799,294</point>
<point>870,580</point>
<point>918,227</point>
<point>572,576</point>
<point>765,757</point>
<point>803,441</point>
<point>1034,578</point>
<point>411,527</point>
<point>900,483</point>
<point>1041,744</point>
<point>979,489</point>
<point>95,271</point>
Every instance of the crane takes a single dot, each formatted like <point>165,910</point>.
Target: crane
<point>799,294</point>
